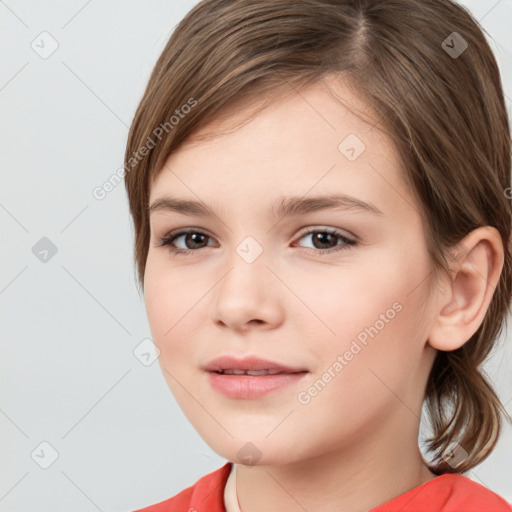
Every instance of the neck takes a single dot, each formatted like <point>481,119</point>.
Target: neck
<point>374,468</point>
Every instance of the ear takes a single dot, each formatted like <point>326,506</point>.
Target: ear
<point>464,297</point>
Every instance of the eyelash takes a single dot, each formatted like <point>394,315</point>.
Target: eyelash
<point>171,237</point>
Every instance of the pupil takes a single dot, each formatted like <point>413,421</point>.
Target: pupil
<point>194,237</point>
<point>323,238</point>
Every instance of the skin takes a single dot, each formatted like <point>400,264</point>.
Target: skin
<point>354,446</point>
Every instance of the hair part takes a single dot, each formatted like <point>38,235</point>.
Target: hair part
<point>446,115</point>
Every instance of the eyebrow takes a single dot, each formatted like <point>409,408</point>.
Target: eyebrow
<point>283,206</point>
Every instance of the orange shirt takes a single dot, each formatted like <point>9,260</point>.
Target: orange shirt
<point>446,493</point>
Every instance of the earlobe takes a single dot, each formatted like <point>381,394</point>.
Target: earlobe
<point>463,298</point>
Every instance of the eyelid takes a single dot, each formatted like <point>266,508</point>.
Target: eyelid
<point>328,229</point>
<point>302,232</point>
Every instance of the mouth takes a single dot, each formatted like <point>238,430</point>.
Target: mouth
<point>230,371</point>
<point>230,365</point>
<point>251,377</point>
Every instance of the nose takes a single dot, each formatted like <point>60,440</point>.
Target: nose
<point>248,296</point>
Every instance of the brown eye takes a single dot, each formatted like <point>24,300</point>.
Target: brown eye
<point>323,240</point>
<point>192,240</point>
<point>327,240</point>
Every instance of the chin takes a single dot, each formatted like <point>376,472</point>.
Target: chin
<point>256,452</point>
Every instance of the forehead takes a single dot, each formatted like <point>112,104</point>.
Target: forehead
<point>332,99</point>
<point>323,136</point>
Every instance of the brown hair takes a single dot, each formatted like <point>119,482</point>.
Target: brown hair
<point>444,109</point>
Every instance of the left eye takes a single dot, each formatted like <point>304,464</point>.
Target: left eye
<point>324,240</point>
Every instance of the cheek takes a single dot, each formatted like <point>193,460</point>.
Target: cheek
<point>373,314</point>
<point>172,304</point>
<point>372,360</point>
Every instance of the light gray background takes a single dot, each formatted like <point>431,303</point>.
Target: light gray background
<point>69,376</point>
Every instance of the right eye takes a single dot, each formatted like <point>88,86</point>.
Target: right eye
<point>191,237</point>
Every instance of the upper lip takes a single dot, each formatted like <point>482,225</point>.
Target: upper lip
<point>249,363</point>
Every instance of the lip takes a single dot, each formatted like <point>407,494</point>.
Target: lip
<point>251,386</point>
<point>249,363</point>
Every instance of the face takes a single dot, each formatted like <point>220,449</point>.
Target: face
<point>330,293</point>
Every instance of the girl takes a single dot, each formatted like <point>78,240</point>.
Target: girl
<point>322,236</point>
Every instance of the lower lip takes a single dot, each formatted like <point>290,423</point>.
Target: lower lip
<point>252,386</point>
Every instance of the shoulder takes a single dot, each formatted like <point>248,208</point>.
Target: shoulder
<point>449,492</point>
<point>472,494</point>
<point>207,494</point>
